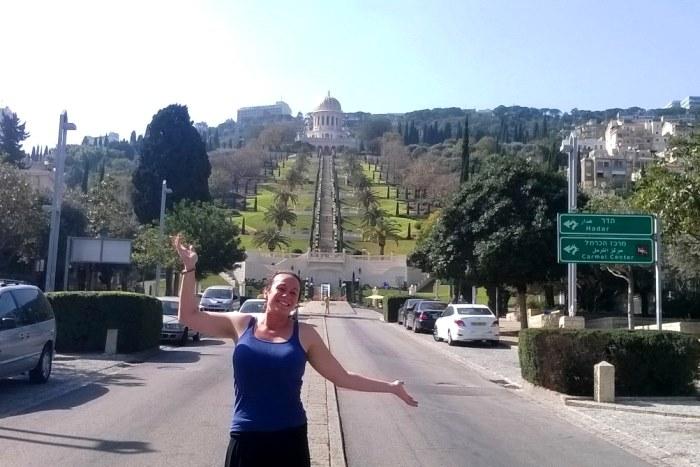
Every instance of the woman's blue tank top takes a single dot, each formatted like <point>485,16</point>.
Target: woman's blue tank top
<point>267,382</point>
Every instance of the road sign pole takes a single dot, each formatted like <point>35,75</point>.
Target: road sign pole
<point>657,270</point>
<point>571,268</point>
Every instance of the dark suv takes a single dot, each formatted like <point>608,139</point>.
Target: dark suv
<point>422,316</point>
<point>27,331</point>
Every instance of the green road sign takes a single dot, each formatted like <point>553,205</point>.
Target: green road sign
<point>606,225</point>
<point>613,250</point>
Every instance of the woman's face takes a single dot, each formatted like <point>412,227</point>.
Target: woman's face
<point>283,294</point>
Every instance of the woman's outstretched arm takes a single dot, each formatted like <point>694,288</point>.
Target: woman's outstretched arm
<point>326,364</point>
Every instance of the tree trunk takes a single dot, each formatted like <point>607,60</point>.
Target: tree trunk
<point>630,299</point>
<point>168,282</point>
<point>522,305</point>
<point>645,304</point>
<point>549,296</point>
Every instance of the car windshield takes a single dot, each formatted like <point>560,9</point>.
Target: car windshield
<point>468,311</point>
<point>218,293</point>
<point>432,306</point>
<point>252,306</point>
<point>170,308</point>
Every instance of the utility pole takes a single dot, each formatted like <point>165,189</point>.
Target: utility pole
<point>59,163</point>
<point>164,192</point>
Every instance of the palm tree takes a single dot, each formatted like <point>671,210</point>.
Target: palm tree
<point>271,238</point>
<point>294,178</point>
<point>371,215</point>
<point>279,214</point>
<point>284,195</point>
<point>384,229</point>
<point>366,198</point>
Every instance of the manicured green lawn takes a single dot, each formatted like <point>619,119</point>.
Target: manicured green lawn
<point>211,280</point>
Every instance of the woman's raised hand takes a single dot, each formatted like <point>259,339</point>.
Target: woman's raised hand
<point>185,252</point>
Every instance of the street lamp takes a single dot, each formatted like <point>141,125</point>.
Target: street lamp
<point>63,127</point>
<point>164,192</point>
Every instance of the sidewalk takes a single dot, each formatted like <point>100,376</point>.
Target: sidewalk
<point>662,431</point>
<point>319,397</point>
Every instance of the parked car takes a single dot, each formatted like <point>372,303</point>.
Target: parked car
<point>219,298</point>
<point>403,309</point>
<point>467,322</point>
<point>422,316</point>
<point>253,305</point>
<point>27,331</point>
<point>172,329</point>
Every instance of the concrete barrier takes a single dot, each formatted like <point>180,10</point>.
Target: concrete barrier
<point>604,382</point>
<point>111,341</point>
<point>688,327</point>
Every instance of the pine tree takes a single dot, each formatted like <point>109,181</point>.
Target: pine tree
<point>447,131</point>
<point>102,171</point>
<point>12,133</point>
<point>132,138</point>
<point>170,150</point>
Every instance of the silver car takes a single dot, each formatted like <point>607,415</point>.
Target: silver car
<point>27,332</point>
<point>172,329</point>
<point>219,298</point>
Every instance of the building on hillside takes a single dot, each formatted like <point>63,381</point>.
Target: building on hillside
<point>690,102</point>
<point>614,153</point>
<point>112,137</point>
<point>325,128</point>
<point>262,114</point>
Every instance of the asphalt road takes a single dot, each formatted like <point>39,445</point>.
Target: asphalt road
<point>172,410</point>
<point>462,419</point>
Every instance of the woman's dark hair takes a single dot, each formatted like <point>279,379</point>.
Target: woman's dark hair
<point>288,273</point>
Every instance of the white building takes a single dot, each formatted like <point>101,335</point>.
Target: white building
<point>325,127</point>
<point>691,102</point>
<point>263,113</point>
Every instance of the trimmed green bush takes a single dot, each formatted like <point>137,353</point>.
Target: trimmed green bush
<point>647,363</point>
<point>391,307</point>
<point>83,318</point>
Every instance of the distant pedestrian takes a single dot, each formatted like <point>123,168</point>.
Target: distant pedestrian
<point>327,303</point>
<point>269,422</point>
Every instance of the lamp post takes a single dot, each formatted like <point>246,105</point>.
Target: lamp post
<point>572,147</point>
<point>164,192</point>
<point>63,127</point>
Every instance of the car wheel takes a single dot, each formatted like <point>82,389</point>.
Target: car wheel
<point>435,334</point>
<point>449,338</point>
<point>42,371</point>
<point>183,339</point>
<point>196,338</point>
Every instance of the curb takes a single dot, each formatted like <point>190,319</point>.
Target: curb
<point>335,433</point>
<point>590,404</point>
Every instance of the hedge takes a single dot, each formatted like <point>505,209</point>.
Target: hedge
<point>83,318</point>
<point>647,363</point>
<point>391,307</point>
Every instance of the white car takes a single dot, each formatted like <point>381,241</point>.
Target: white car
<point>466,322</point>
<point>172,329</point>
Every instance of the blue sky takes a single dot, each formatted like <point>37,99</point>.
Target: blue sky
<point>113,64</point>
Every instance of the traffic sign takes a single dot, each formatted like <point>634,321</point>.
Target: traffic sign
<point>612,250</point>
<point>606,225</point>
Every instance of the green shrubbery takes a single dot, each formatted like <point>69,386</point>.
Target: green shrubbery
<point>83,318</point>
<point>391,307</point>
<point>647,363</point>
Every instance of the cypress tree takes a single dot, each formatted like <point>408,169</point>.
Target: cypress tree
<point>464,175</point>
<point>243,226</point>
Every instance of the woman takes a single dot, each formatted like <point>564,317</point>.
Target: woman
<point>269,422</point>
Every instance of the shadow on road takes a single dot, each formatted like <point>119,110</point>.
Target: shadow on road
<point>74,442</point>
<point>175,356</point>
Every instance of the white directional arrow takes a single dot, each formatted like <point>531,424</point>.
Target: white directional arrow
<point>571,249</point>
<point>571,224</point>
